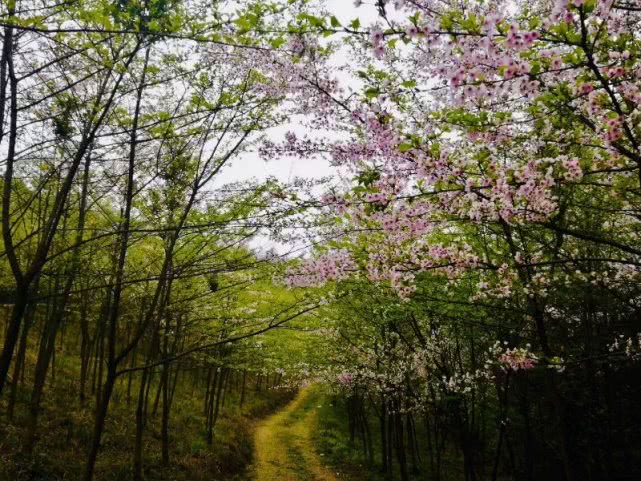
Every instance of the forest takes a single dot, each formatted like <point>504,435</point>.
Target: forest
<point>445,286</point>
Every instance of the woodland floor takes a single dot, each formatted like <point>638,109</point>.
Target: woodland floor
<point>284,450</point>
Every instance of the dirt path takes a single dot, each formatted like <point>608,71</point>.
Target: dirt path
<point>283,446</point>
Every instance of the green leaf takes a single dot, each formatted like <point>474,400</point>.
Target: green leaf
<point>277,42</point>
<point>372,92</point>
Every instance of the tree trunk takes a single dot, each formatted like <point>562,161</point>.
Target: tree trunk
<point>13,331</point>
<point>164,429</point>
<point>383,427</point>
<point>19,365</point>
<point>99,423</point>
<point>242,389</point>
<point>140,427</point>
<point>86,344</point>
<point>400,443</point>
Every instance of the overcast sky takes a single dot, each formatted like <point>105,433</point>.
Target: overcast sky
<point>251,166</point>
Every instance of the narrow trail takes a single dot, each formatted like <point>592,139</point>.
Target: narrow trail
<point>283,445</point>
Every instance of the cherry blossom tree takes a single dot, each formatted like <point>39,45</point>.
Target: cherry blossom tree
<point>495,152</point>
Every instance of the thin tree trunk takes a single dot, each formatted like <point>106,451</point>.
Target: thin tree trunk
<point>99,423</point>
<point>383,428</point>
<point>164,429</point>
<point>114,313</point>
<point>140,426</point>
<point>86,344</point>
<point>13,331</point>
<point>400,443</point>
<point>210,407</point>
<point>19,367</point>
<point>242,390</point>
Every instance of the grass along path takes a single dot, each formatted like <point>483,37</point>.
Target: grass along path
<point>283,446</point>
